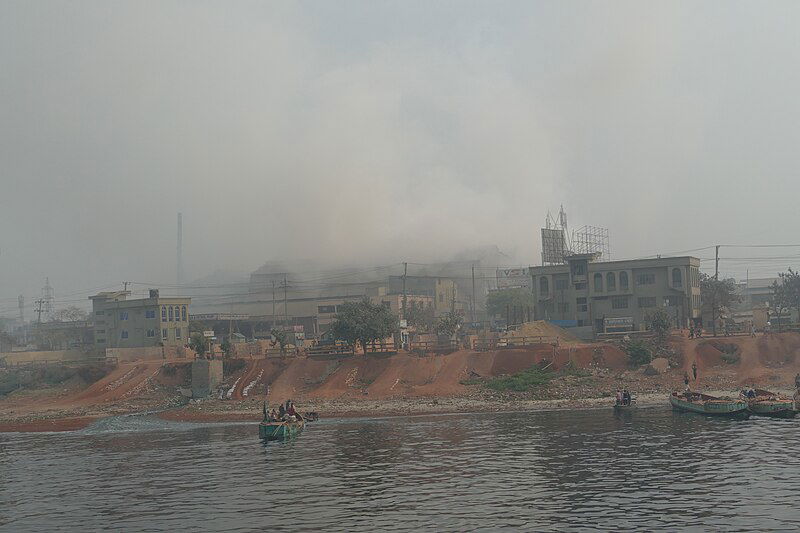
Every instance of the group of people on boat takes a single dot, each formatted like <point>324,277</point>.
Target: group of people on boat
<point>285,413</point>
<point>624,397</point>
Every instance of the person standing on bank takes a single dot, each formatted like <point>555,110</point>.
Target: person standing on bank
<point>694,370</point>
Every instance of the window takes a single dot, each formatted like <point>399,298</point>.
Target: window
<point>580,269</point>
<point>322,309</point>
<point>598,282</point>
<point>645,279</point>
<point>673,301</point>
<point>151,332</point>
<point>100,313</point>
<point>163,313</point>
<point>563,307</point>
<point>581,305</point>
<point>562,284</point>
<point>123,334</point>
<point>123,315</point>
<point>677,278</point>
<point>99,331</point>
<point>164,333</point>
<point>623,281</point>
<point>177,314</point>
<point>177,334</point>
<point>441,297</point>
<point>580,286</point>
<point>544,286</point>
<point>611,282</point>
<point>619,302</point>
<point>149,313</point>
<point>100,341</point>
<point>183,314</point>
<point>170,313</point>
<point>647,301</point>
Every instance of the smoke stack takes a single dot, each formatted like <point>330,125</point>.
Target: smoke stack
<point>179,276</point>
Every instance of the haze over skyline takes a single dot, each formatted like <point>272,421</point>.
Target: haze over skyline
<point>371,133</point>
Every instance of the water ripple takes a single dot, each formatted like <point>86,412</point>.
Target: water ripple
<point>556,471</point>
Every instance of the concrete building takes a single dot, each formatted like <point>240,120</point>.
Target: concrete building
<point>444,291</point>
<point>153,321</point>
<point>617,295</point>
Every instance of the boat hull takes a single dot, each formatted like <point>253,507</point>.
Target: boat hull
<point>773,408</point>
<point>720,408</point>
<point>279,430</point>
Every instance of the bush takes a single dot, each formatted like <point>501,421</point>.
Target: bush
<point>570,369</point>
<point>229,366</point>
<point>638,352</point>
<point>93,373</point>
<point>730,358</point>
<point>521,382</point>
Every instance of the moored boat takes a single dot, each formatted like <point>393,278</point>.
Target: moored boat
<point>279,430</point>
<point>766,403</point>
<point>695,402</point>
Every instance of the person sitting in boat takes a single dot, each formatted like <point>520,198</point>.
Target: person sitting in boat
<point>281,412</point>
<point>751,393</point>
<point>292,412</point>
<point>619,397</point>
<point>626,397</point>
<point>273,415</point>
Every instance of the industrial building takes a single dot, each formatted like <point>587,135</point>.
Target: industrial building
<point>614,296</point>
<point>153,321</point>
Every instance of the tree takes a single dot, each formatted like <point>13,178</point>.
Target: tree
<point>718,295</point>
<point>501,301</point>
<point>448,324</point>
<point>420,317</point>
<point>659,323</point>
<point>69,314</point>
<point>226,347</point>
<point>788,291</point>
<point>363,322</point>
<point>198,344</point>
<point>281,338</point>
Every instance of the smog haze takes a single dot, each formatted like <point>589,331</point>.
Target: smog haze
<point>376,132</point>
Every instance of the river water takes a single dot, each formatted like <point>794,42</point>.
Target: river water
<point>545,471</point>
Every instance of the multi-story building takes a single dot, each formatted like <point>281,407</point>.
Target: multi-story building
<point>617,295</point>
<point>444,291</point>
<point>153,321</point>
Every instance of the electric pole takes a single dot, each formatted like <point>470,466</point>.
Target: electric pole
<point>39,310</point>
<point>405,272</point>
<point>714,292</point>
<point>273,303</point>
<point>285,308</point>
<point>473,294</point>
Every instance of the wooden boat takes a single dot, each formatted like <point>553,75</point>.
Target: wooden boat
<point>279,430</point>
<point>695,402</point>
<point>625,408</point>
<point>768,403</point>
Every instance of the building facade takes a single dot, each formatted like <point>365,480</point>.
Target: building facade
<point>617,296</point>
<point>153,321</point>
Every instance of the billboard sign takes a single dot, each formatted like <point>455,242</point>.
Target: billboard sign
<point>554,245</point>
<point>513,278</point>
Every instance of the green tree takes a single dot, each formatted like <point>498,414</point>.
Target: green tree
<point>281,338</point>
<point>198,344</point>
<point>226,347</point>
<point>789,290</point>
<point>363,322</point>
<point>660,324</point>
<point>498,302</point>
<point>448,324</point>
<point>420,317</point>
<point>718,296</point>
<point>638,352</point>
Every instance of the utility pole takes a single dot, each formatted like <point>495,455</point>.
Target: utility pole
<point>285,308</point>
<point>273,303</point>
<point>125,285</point>
<point>405,273</point>
<point>473,293</point>
<point>39,310</point>
<point>714,292</point>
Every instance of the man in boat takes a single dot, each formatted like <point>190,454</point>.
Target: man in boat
<point>291,411</point>
<point>626,397</point>
<point>619,397</point>
<point>281,412</point>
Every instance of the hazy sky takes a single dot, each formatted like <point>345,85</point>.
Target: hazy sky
<point>371,132</point>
